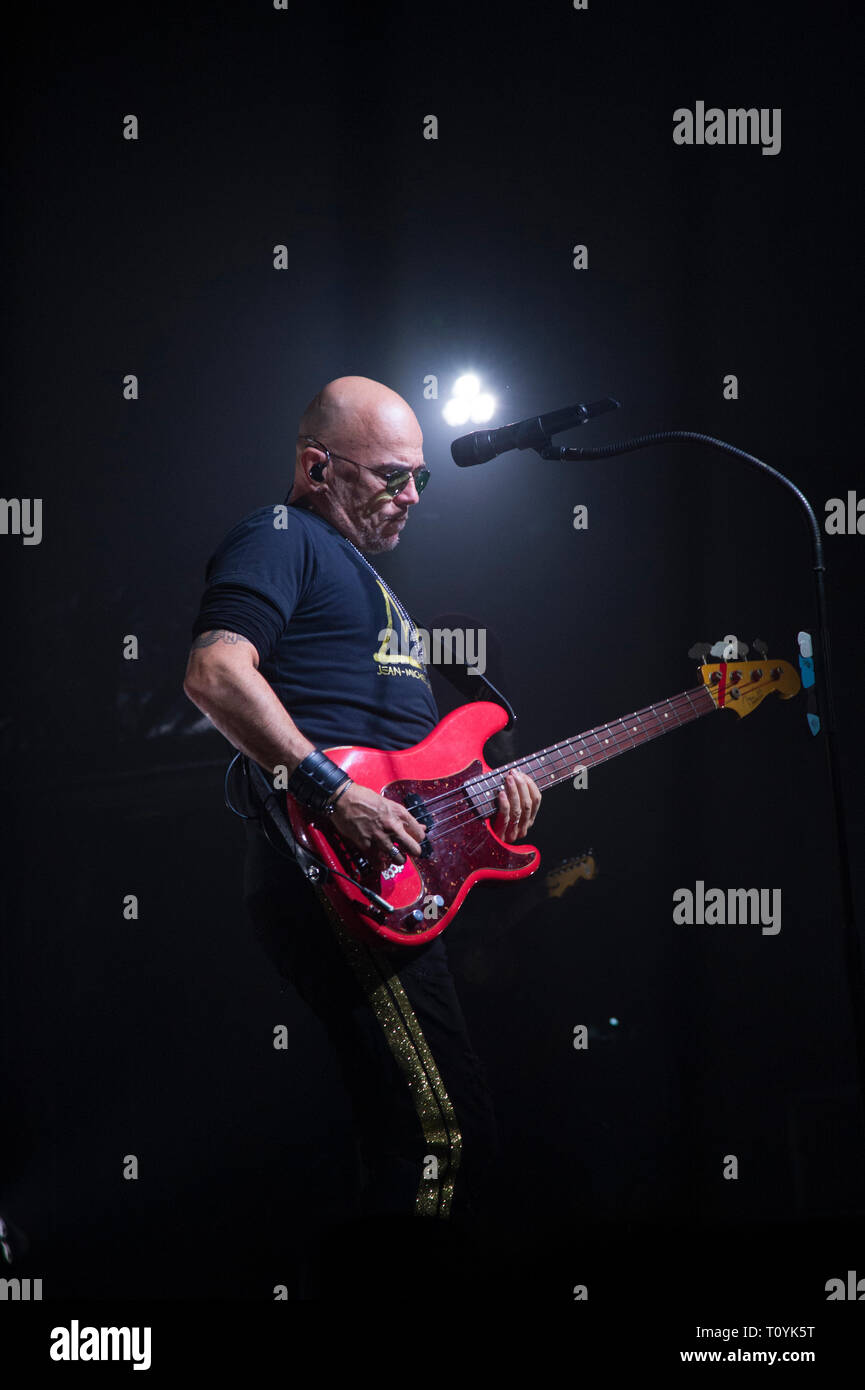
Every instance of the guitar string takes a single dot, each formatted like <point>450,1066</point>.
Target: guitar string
<point>460,799</point>
<point>680,705</point>
<point>577,742</point>
<point>460,802</point>
<point>569,745</point>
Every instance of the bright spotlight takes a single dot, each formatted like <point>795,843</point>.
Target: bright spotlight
<point>469,402</point>
<point>482,409</point>
<point>456,412</point>
<point>467,386</point>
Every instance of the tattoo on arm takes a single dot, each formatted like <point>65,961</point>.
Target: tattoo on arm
<point>207,639</point>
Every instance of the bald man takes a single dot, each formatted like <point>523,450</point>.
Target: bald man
<point>287,660</point>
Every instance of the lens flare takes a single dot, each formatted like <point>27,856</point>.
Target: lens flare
<point>482,409</point>
<point>467,386</point>
<point>456,412</point>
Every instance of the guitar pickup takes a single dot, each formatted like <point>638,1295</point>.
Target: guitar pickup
<point>422,813</point>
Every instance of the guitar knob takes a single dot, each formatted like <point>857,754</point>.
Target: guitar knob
<point>417,915</point>
<point>438,900</point>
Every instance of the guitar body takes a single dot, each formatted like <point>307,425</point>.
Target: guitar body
<point>425,893</point>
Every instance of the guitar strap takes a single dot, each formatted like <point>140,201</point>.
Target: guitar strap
<point>261,797</point>
<point>476,687</point>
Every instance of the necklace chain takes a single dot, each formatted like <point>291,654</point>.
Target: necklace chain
<point>388,590</point>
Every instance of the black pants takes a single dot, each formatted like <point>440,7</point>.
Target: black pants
<point>424,1117</point>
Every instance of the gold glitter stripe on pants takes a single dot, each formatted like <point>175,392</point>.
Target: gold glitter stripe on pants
<point>392,1008</point>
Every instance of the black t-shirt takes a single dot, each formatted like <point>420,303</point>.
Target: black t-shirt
<point>334,642</point>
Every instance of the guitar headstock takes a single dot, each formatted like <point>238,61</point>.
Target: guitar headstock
<point>559,880</point>
<point>741,685</point>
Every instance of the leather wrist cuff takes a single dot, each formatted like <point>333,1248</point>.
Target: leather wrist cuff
<point>314,781</point>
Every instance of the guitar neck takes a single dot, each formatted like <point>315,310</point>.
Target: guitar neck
<point>561,761</point>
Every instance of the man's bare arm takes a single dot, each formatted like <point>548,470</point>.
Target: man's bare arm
<point>223,680</point>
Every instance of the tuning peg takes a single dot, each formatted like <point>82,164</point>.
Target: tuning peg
<point>700,651</point>
<point>762,647</point>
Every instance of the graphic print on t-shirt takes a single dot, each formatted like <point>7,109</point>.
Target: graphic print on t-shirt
<point>399,654</point>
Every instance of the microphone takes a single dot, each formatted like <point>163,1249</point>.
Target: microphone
<point>483,445</point>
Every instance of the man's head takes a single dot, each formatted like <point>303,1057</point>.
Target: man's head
<point>350,436</point>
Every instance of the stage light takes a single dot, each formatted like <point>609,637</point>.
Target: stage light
<point>456,412</point>
<point>469,402</point>
<point>482,408</point>
<point>467,385</point>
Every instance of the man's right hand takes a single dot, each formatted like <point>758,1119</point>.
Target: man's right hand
<point>373,824</point>
<point>223,680</point>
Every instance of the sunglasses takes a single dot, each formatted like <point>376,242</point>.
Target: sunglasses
<point>393,481</point>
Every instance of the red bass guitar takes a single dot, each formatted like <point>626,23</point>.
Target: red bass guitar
<point>448,787</point>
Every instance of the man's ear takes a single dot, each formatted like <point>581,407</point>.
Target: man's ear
<point>314,470</point>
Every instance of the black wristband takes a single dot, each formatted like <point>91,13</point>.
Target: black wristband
<point>331,807</point>
<point>314,781</point>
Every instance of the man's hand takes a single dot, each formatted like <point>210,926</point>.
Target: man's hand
<point>519,801</point>
<point>373,824</point>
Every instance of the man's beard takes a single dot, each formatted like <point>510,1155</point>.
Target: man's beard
<point>373,541</point>
<point>379,545</point>
<point>367,529</point>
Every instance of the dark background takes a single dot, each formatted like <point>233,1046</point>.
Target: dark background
<point>410,257</point>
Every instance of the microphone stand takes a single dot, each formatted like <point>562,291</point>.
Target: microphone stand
<point>823,684</point>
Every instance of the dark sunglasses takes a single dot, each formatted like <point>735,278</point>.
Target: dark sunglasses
<point>393,481</point>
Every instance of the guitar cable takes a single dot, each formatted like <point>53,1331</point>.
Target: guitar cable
<point>298,854</point>
<point>225,793</point>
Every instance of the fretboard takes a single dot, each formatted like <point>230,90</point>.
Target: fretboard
<point>587,750</point>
